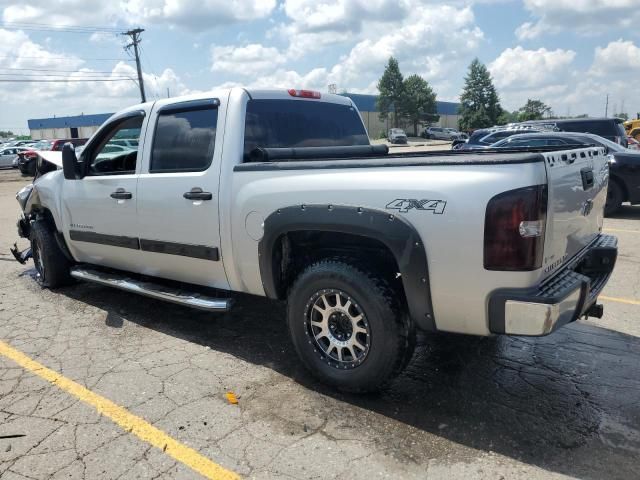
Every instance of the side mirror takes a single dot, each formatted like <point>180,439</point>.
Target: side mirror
<point>69,161</point>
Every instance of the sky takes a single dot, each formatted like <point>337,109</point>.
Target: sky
<point>568,53</point>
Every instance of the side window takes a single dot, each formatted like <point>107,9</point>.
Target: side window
<point>555,142</point>
<point>105,160</point>
<point>184,140</point>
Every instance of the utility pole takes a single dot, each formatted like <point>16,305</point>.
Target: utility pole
<point>606,108</point>
<point>135,40</point>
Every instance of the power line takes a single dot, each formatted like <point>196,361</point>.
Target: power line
<point>57,28</point>
<point>47,57</point>
<point>54,70</point>
<point>67,80</point>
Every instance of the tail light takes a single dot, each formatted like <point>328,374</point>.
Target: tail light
<point>304,93</point>
<point>514,229</point>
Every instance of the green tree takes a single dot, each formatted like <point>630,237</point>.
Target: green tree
<point>480,104</point>
<point>391,87</point>
<point>507,117</point>
<point>622,115</point>
<point>6,134</point>
<point>533,110</point>
<point>418,102</point>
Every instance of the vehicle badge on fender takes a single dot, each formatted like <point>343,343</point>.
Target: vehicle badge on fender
<point>403,205</point>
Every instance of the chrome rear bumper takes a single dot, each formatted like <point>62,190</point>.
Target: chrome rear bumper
<point>559,300</point>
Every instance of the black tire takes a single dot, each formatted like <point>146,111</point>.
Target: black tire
<point>615,198</point>
<point>390,336</point>
<point>52,265</point>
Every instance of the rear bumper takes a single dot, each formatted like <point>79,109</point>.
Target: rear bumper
<point>559,300</point>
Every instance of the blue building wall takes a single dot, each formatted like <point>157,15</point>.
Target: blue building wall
<point>69,122</point>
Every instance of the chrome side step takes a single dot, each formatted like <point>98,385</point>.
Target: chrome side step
<point>153,290</point>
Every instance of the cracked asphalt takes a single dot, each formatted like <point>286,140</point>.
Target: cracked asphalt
<point>566,405</point>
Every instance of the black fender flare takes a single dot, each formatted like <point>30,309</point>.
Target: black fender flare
<point>398,235</point>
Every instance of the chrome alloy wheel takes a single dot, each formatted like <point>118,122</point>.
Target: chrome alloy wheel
<point>338,327</point>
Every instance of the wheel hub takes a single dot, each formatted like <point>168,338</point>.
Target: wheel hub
<point>338,328</point>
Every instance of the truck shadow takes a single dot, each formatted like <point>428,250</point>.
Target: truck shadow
<point>568,403</point>
<point>627,212</point>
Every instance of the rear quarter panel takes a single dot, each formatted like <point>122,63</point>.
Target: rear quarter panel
<point>454,238</point>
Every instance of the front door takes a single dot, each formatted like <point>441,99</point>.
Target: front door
<point>178,193</point>
<point>99,211</point>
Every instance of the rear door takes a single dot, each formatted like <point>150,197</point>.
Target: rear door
<point>577,194</point>
<point>178,219</point>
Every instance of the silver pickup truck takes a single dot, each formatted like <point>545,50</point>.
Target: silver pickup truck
<point>280,194</point>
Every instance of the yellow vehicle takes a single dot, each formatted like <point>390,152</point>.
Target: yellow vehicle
<point>632,127</point>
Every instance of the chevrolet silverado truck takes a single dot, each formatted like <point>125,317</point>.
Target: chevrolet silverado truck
<point>280,194</point>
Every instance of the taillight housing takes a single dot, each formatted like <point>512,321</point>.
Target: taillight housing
<point>514,229</point>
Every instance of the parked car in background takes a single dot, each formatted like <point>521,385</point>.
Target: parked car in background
<point>8,154</point>
<point>397,135</point>
<point>130,143</point>
<point>624,164</point>
<point>440,133</point>
<point>485,137</point>
<point>609,128</point>
<point>542,139</point>
<point>57,145</point>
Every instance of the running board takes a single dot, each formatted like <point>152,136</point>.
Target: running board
<point>153,290</point>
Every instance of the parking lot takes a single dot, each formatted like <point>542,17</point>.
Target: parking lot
<point>98,383</point>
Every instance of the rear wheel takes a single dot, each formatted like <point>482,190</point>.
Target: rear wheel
<point>348,326</point>
<point>52,266</point>
<point>614,198</point>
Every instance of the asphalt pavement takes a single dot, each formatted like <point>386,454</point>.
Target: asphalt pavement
<point>99,383</point>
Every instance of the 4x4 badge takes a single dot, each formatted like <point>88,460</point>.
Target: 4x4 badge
<point>403,205</point>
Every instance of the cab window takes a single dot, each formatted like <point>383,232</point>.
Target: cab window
<point>109,159</point>
<point>184,140</point>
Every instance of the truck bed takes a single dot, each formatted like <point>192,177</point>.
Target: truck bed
<point>325,160</point>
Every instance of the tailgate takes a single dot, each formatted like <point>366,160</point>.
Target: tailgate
<point>577,182</point>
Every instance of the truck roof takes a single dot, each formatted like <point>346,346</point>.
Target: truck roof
<point>257,93</point>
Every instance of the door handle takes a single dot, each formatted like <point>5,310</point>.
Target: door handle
<point>196,193</point>
<point>121,195</point>
<point>587,178</point>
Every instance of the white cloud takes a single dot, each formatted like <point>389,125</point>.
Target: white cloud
<point>191,14</point>
<point>519,69</point>
<point>617,58</point>
<point>342,15</point>
<point>247,60</point>
<point>433,42</point>
<point>427,43</point>
<point>24,59</point>
<point>586,17</point>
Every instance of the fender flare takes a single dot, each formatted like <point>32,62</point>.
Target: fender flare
<point>398,235</point>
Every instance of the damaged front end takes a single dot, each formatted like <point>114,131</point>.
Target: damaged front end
<point>24,225</point>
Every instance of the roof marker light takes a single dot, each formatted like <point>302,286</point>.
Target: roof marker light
<point>304,93</point>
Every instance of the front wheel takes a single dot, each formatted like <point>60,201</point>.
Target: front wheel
<point>52,266</point>
<point>348,326</point>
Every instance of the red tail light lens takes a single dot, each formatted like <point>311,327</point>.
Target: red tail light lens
<point>514,229</point>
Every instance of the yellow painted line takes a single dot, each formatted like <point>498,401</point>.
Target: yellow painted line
<point>619,300</point>
<point>620,230</point>
<point>128,421</point>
